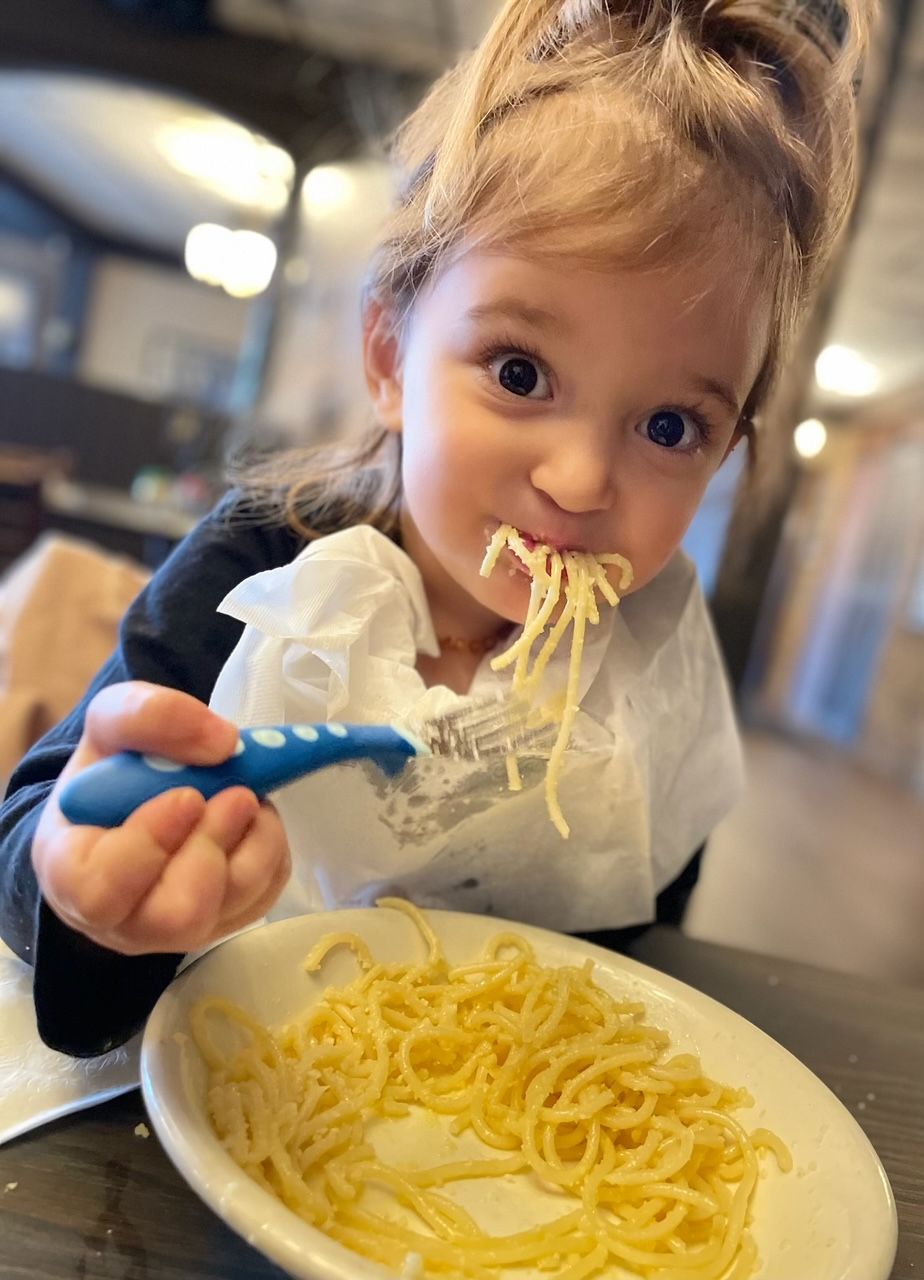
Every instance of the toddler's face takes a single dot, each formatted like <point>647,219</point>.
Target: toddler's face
<point>587,409</point>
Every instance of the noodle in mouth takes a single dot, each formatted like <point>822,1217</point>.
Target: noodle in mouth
<point>580,575</point>
<point>566,1086</point>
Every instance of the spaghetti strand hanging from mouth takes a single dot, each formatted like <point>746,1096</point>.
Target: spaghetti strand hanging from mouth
<point>582,574</point>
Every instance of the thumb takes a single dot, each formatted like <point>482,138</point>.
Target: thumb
<point>136,716</point>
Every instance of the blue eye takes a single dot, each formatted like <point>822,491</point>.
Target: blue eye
<point>667,428</point>
<point>521,376</point>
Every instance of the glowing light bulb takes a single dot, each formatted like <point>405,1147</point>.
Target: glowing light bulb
<point>846,372</point>
<point>328,188</point>
<point>229,160</point>
<point>810,438</point>
<point>207,247</point>
<point>250,264</point>
<point>240,262</point>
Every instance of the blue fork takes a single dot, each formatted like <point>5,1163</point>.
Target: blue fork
<point>268,758</point>
<point>265,759</point>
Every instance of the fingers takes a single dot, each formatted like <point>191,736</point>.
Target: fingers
<point>180,872</point>
<point>254,912</point>
<point>136,716</point>
<point>185,904</point>
<point>94,879</point>
<point>174,877</point>
<point>257,869</point>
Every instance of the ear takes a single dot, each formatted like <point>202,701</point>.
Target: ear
<point>382,363</point>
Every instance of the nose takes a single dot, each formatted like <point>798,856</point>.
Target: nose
<point>577,474</point>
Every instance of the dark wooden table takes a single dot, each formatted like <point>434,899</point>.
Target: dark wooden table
<point>93,1201</point>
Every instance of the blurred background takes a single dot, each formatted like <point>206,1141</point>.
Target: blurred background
<point>188,191</point>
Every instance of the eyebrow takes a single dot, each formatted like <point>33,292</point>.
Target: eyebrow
<point>514,309</point>
<point>713,387</point>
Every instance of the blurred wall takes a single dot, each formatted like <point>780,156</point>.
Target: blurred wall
<point>845,635</point>
<point>109,435</point>
<point>155,332</point>
<point>315,386</point>
<point>893,733</point>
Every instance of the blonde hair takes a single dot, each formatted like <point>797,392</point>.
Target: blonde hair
<point>571,119</point>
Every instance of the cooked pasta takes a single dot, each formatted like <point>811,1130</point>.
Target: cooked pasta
<point>565,1085</point>
<point>581,575</point>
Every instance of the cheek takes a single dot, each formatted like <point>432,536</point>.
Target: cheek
<point>448,440</point>
<point>655,528</point>
<point>427,408</point>
<point>440,457</point>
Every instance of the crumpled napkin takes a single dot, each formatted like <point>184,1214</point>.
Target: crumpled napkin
<point>38,1085</point>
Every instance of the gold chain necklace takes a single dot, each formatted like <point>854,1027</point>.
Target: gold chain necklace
<point>476,647</point>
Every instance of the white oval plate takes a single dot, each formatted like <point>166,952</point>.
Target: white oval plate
<point>832,1218</point>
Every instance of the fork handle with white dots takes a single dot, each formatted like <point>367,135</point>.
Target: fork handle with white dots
<point>106,793</point>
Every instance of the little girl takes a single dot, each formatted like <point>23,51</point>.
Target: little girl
<point>611,217</point>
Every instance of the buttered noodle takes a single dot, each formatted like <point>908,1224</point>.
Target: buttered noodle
<point>563,1083</point>
<point>581,575</point>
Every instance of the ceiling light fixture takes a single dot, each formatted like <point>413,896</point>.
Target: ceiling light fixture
<point>810,437</point>
<point>240,262</point>
<point>845,372</point>
<point>328,188</point>
<point>242,167</point>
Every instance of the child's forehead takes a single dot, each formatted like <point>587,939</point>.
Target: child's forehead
<point>488,284</point>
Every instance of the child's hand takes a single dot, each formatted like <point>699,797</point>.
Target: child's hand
<point>181,871</point>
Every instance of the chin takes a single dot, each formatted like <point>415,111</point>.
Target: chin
<point>507,597</point>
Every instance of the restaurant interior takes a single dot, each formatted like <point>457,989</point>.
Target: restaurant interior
<point>189,190</point>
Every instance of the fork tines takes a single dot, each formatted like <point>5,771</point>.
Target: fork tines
<point>484,728</point>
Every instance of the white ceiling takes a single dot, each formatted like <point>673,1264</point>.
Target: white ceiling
<point>90,145</point>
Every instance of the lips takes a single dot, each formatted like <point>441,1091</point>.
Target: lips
<point>533,540</point>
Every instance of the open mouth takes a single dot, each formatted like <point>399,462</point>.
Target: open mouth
<point>514,562</point>
<point>531,541</point>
